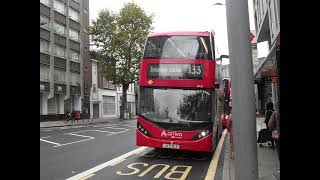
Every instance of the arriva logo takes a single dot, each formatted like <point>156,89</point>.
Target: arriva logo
<point>171,134</point>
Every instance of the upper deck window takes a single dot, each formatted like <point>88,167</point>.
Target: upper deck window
<point>178,47</point>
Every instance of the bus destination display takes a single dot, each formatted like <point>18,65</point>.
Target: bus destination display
<point>175,71</point>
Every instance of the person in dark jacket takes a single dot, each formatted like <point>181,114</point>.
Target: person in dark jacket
<point>269,111</point>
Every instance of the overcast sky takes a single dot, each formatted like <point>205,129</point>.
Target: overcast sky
<point>175,15</point>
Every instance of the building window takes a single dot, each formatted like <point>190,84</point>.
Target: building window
<point>74,56</point>
<point>75,79</point>
<point>59,76</point>
<point>276,12</point>
<point>41,103</point>
<point>46,2</point>
<point>44,22</point>
<point>74,34</point>
<point>109,105</point>
<point>52,106</point>
<point>73,14</point>
<point>59,6</point>
<point>272,18</point>
<point>59,51</point>
<point>44,73</point>
<point>44,46</point>
<point>59,29</point>
<point>107,84</point>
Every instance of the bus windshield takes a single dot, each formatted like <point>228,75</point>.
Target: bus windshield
<point>178,47</point>
<point>176,105</point>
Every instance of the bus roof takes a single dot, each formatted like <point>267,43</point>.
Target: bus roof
<point>180,33</point>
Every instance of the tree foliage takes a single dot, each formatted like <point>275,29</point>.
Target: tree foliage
<point>119,38</point>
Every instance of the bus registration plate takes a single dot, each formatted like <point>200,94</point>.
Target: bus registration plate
<point>171,146</point>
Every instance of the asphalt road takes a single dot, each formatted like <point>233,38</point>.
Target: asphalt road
<point>108,151</point>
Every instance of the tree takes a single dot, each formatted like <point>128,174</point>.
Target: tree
<point>119,39</point>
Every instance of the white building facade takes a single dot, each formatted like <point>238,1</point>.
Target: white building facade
<point>131,100</point>
<point>106,97</point>
<point>267,24</point>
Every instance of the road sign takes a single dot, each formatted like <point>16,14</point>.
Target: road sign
<point>251,36</point>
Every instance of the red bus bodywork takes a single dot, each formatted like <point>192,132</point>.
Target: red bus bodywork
<point>158,136</point>
<point>185,142</point>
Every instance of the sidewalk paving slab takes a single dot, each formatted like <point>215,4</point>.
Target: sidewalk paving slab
<point>268,162</point>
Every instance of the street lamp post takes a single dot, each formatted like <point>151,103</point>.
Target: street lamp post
<point>243,100</point>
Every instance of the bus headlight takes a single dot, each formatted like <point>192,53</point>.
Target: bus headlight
<point>142,129</point>
<point>202,134</point>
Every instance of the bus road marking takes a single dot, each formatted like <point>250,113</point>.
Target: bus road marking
<point>184,173</point>
<point>117,162</point>
<point>127,125</point>
<point>108,163</point>
<point>117,128</point>
<point>45,137</point>
<point>87,177</point>
<point>50,142</point>
<point>214,162</point>
<point>47,130</point>
<point>92,130</point>
<point>89,138</point>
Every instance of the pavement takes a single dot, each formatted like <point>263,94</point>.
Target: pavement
<point>48,124</point>
<point>268,161</point>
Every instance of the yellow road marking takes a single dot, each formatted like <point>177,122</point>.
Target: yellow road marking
<point>104,165</point>
<point>214,162</point>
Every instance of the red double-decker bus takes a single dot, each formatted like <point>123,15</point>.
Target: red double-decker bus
<point>179,101</point>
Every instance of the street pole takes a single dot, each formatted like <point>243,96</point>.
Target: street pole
<point>243,102</point>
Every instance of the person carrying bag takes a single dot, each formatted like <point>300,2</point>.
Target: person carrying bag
<point>274,125</point>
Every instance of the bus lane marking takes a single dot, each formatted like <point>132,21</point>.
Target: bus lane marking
<point>127,125</point>
<point>89,138</point>
<point>214,162</point>
<point>87,177</point>
<point>108,163</point>
<point>117,162</point>
<point>175,156</point>
<point>184,173</point>
<point>93,130</point>
<point>116,128</point>
<point>113,132</point>
<point>58,144</point>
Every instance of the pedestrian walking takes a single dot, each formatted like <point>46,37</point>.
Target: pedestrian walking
<point>230,129</point>
<point>274,125</point>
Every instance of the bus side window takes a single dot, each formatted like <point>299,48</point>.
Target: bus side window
<point>213,107</point>
<point>213,48</point>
